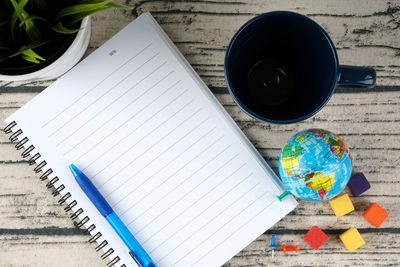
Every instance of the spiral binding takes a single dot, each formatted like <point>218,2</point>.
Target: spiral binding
<point>15,135</point>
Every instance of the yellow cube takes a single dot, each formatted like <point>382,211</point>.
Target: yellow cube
<point>341,205</point>
<point>352,239</point>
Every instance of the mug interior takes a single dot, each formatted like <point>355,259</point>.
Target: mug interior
<point>298,50</point>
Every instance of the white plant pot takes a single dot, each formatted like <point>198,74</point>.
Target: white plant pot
<point>64,63</point>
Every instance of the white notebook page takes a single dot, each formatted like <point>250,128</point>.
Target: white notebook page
<point>140,123</point>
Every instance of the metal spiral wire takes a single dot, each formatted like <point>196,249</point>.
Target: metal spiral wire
<point>15,135</point>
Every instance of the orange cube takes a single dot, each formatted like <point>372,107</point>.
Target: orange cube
<point>375,214</point>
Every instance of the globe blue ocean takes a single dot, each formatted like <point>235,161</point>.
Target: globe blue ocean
<point>315,165</point>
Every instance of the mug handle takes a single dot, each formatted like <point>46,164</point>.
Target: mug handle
<point>352,76</point>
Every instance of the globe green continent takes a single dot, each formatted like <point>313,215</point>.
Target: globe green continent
<point>315,165</point>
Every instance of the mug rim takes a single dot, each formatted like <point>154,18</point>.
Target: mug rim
<point>227,68</point>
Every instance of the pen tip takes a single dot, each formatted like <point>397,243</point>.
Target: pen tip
<point>75,171</point>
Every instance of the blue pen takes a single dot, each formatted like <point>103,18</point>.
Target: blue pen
<point>136,250</point>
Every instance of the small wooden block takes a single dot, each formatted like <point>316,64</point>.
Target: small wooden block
<point>358,184</point>
<point>341,205</point>
<point>315,237</point>
<point>352,239</point>
<point>375,214</point>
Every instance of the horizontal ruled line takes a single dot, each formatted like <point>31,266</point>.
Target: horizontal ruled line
<point>106,107</point>
<point>183,181</point>
<point>162,153</point>
<point>166,150</point>
<point>109,90</point>
<point>188,192</point>
<point>187,224</point>
<point>94,87</point>
<point>127,150</point>
<point>221,227</point>
<point>177,171</point>
<point>120,126</point>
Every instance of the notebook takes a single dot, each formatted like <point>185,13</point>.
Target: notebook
<point>138,120</point>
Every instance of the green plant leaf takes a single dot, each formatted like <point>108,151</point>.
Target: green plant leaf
<point>30,27</point>
<point>61,29</point>
<point>77,17</point>
<point>31,46</point>
<point>75,9</point>
<point>19,5</point>
<point>13,22</point>
<point>111,4</point>
<point>33,18</point>
<point>19,8</point>
<point>29,58</point>
<point>31,53</point>
<point>71,20</point>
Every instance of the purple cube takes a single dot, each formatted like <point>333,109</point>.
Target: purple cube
<point>358,184</point>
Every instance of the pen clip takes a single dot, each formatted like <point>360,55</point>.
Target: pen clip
<point>135,259</point>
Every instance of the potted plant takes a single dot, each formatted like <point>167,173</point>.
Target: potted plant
<point>42,39</point>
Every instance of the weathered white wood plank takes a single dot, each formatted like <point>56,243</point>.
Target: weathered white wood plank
<point>330,254</point>
<point>379,163</point>
<point>48,250</point>
<point>30,205</point>
<point>365,32</point>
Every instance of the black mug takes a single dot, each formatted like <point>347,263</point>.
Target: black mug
<point>282,67</point>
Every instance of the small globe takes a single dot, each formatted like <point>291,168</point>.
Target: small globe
<point>315,165</point>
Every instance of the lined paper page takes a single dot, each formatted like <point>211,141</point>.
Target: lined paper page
<point>138,121</point>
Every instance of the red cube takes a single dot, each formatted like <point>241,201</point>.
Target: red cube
<point>315,237</point>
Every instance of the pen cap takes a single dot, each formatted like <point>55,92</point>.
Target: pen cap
<point>91,191</point>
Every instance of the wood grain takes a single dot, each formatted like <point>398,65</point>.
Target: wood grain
<point>35,230</point>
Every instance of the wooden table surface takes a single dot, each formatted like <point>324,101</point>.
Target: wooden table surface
<point>35,230</point>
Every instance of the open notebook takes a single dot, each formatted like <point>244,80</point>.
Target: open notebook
<point>137,119</point>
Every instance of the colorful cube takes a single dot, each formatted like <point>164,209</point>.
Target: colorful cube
<point>315,237</point>
<point>352,239</point>
<point>375,214</point>
<point>341,205</point>
<point>358,184</point>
